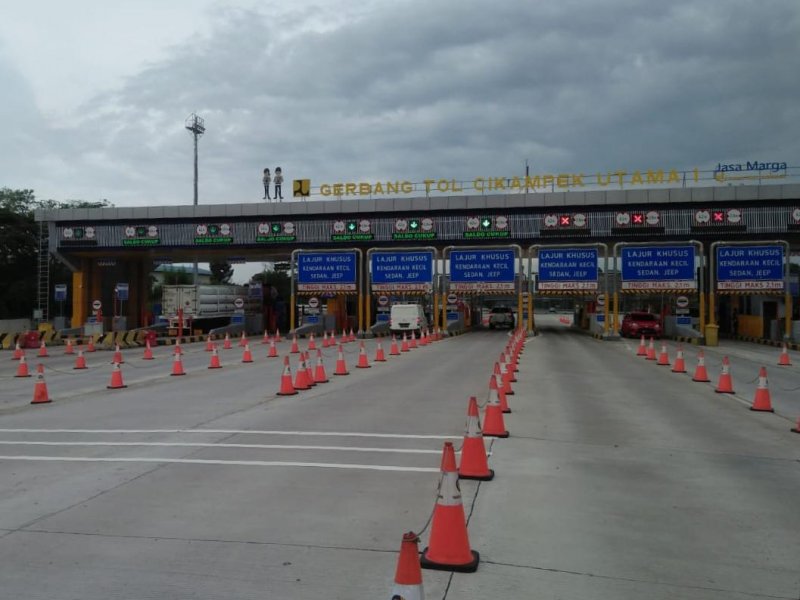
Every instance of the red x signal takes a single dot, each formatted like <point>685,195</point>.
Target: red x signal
<point>638,219</point>
<point>565,220</point>
<point>719,217</point>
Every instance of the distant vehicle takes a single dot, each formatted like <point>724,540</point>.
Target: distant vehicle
<point>501,316</point>
<point>552,309</point>
<point>407,317</point>
<point>635,324</point>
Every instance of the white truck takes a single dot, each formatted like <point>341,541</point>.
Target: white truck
<point>206,305</point>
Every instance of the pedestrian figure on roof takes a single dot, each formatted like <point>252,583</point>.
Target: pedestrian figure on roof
<point>266,180</point>
<point>278,183</point>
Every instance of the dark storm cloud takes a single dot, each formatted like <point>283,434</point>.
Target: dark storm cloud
<point>409,90</point>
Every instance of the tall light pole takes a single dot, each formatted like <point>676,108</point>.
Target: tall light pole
<point>197,127</point>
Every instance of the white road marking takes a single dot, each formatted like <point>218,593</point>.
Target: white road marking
<point>242,431</point>
<point>212,445</point>
<point>243,463</point>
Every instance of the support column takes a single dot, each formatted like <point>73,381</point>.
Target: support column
<point>80,301</point>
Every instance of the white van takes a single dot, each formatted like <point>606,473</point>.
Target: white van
<point>407,317</point>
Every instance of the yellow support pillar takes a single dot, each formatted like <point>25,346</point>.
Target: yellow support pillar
<point>80,301</point>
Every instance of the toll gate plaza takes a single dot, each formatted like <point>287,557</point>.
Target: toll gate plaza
<point>755,228</point>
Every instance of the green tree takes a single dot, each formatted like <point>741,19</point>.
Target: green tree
<point>279,280</point>
<point>221,272</point>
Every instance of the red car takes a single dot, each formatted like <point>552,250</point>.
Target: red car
<point>636,324</point>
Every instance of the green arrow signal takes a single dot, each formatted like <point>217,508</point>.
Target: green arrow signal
<point>276,227</point>
<point>413,224</point>
<point>351,225</point>
<point>486,223</point>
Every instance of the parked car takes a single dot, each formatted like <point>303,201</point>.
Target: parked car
<point>635,324</point>
<point>501,316</point>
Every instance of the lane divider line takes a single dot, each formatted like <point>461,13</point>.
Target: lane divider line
<point>221,445</point>
<point>242,463</point>
<point>243,431</point>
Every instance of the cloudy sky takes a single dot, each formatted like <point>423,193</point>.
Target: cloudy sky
<point>94,94</point>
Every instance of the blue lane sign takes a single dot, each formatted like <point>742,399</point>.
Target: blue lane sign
<point>326,271</point>
<point>749,267</point>
<point>402,271</point>
<point>658,268</point>
<point>60,290</point>
<point>567,269</point>
<point>122,291</point>
<point>479,270</point>
<point>683,320</point>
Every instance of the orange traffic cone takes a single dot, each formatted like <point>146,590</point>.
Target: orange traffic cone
<point>209,344</point>
<point>448,548</point>
<point>301,379</point>
<point>287,388</point>
<point>413,342</point>
<point>324,339</point>
<point>363,361</point>
<point>242,340</point>
<point>80,360</point>
<point>379,355</point>
<point>700,373</point>
<point>177,366</point>
<point>725,383</point>
<point>312,345</point>
<point>352,337</point>
<point>18,352</point>
<point>493,423</point>
<point>226,345</point>
<point>148,351</point>
<point>69,348</point>
<point>474,464</point>
<point>117,358</point>
<point>496,382</point>
<point>278,337</point>
<point>40,395</point>
<point>344,339</point>
<point>651,351</point>
<point>408,576</point>
<point>642,351</point>
<point>116,378</point>
<point>90,346</point>
<point>214,363</point>
<point>178,350</point>
<point>273,349</point>
<point>404,345</point>
<point>319,372</point>
<point>796,428</point>
<point>341,366</point>
<point>247,356</point>
<point>393,349</point>
<point>761,400</point>
<point>265,339</point>
<point>784,360</point>
<point>680,363</point>
<point>309,369</point>
<point>295,349</point>
<point>22,368</point>
<point>663,357</point>
<point>42,350</point>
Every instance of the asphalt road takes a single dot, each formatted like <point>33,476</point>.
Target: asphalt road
<point>620,479</point>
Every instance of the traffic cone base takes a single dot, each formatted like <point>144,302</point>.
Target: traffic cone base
<point>426,563</point>
<point>796,429</point>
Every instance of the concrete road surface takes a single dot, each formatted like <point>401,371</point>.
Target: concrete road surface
<point>620,479</point>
